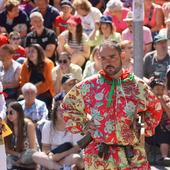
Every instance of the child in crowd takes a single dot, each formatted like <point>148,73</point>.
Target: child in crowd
<point>61,20</point>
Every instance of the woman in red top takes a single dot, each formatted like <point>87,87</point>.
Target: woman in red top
<point>15,41</point>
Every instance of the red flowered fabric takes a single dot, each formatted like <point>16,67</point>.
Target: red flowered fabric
<point>114,123</point>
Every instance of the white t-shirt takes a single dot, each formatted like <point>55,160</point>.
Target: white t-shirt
<point>55,138</point>
<point>88,21</point>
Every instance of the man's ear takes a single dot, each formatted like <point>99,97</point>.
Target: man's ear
<point>123,55</point>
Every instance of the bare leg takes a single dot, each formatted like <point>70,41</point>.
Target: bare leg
<point>73,159</point>
<point>42,159</point>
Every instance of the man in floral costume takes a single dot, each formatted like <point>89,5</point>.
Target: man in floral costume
<point>112,98</point>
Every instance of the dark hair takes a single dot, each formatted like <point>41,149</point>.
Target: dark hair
<point>79,34</point>
<point>54,115</point>
<point>112,45</point>
<point>108,24</point>
<point>155,82</point>
<point>40,59</point>
<point>20,138</point>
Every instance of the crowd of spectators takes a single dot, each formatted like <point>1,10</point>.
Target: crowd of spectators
<point>47,46</point>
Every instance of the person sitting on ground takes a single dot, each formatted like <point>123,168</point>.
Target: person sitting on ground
<point>61,20</point>
<point>65,66</point>
<point>94,65</point>
<point>53,135</point>
<point>162,132</point>
<point>14,19</point>
<point>89,15</point>
<point>42,36</point>
<point>67,82</point>
<point>10,71</point>
<point>115,9</point>
<point>153,17</point>
<point>23,137</point>
<point>15,41</point>
<point>156,62</point>
<point>34,109</point>
<point>48,12</point>
<point>128,33</point>
<point>104,31</point>
<point>74,41</point>
<point>127,55</point>
<point>37,69</point>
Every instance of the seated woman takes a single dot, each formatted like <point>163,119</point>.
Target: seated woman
<point>104,31</point>
<point>37,69</point>
<point>23,137</point>
<point>74,42</point>
<point>93,66</point>
<point>65,66</point>
<point>15,41</point>
<point>53,135</point>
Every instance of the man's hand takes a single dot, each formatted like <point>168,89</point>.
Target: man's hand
<point>90,127</point>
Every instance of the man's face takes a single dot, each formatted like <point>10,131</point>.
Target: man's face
<point>110,60</point>
<point>158,90</point>
<point>42,4</point>
<point>36,23</point>
<point>161,47</point>
<point>29,96</point>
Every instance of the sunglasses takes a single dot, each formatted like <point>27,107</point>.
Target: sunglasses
<point>62,61</point>
<point>15,38</point>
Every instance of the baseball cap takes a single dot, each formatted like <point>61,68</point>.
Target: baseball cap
<point>106,19</point>
<point>129,16</point>
<point>66,78</point>
<point>75,20</point>
<point>155,82</point>
<point>66,3</point>
<point>160,37</point>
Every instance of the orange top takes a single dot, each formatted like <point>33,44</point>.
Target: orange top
<point>47,73</point>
